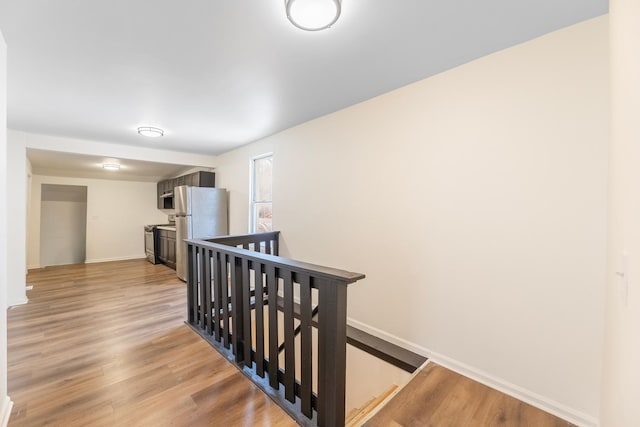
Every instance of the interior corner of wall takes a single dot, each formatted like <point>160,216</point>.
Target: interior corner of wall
<point>20,301</point>
<point>5,411</point>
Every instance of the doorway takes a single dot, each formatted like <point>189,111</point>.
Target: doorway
<point>63,224</point>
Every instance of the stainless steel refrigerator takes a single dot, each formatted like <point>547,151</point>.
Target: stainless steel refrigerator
<point>201,213</point>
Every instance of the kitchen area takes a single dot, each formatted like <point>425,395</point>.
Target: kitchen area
<point>199,210</point>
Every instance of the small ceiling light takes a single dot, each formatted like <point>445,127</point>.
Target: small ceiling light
<point>150,131</point>
<point>313,15</point>
<point>111,166</point>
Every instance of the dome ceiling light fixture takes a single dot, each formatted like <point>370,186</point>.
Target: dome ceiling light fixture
<point>111,166</point>
<point>151,132</point>
<point>313,15</point>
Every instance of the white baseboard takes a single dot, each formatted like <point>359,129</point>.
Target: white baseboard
<point>549,405</point>
<point>22,301</point>
<point>5,411</point>
<point>97,260</point>
<point>123,258</point>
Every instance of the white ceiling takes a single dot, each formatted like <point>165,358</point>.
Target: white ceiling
<point>218,74</point>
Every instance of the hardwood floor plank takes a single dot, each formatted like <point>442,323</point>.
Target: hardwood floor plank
<point>106,345</point>
<point>438,397</point>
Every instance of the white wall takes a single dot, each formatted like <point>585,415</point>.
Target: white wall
<point>475,203</point>
<point>17,218</point>
<point>369,377</point>
<point>5,403</point>
<point>621,389</point>
<point>116,214</point>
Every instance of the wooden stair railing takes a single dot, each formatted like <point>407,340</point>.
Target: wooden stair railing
<point>235,293</point>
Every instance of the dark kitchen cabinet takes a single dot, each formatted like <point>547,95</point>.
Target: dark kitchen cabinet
<point>167,247</point>
<point>161,193</point>
<point>191,180</point>
<point>160,187</point>
<point>196,179</point>
<point>165,194</point>
<point>201,179</point>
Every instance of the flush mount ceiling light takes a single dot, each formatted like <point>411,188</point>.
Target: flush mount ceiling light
<point>151,132</point>
<point>313,15</point>
<point>111,166</point>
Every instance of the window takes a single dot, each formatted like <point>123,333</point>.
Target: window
<point>261,192</point>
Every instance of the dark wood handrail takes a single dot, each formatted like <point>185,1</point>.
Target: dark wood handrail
<point>242,302</point>
<point>277,261</point>
<point>246,239</point>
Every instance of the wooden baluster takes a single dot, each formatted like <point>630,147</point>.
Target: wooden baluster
<point>224,301</point>
<point>190,285</point>
<point>289,340</point>
<point>275,245</point>
<point>246,304</point>
<point>306,346</point>
<point>237,308</point>
<point>204,315</point>
<point>272,288</point>
<point>217,294</point>
<point>267,246</point>
<point>195,295</point>
<point>208,297</point>
<point>259,320</point>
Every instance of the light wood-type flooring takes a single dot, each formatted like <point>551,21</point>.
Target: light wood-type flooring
<point>438,397</point>
<point>106,345</point>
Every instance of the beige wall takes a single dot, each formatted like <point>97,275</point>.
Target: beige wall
<point>475,203</point>
<point>621,389</point>
<point>116,214</point>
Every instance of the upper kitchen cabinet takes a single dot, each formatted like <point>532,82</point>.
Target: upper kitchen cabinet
<point>201,179</point>
<point>165,194</point>
<point>196,179</point>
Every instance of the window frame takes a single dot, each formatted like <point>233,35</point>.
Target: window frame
<point>253,203</point>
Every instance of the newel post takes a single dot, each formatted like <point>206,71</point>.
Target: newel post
<point>332,353</point>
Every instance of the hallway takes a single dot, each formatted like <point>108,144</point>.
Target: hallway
<point>106,345</point>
